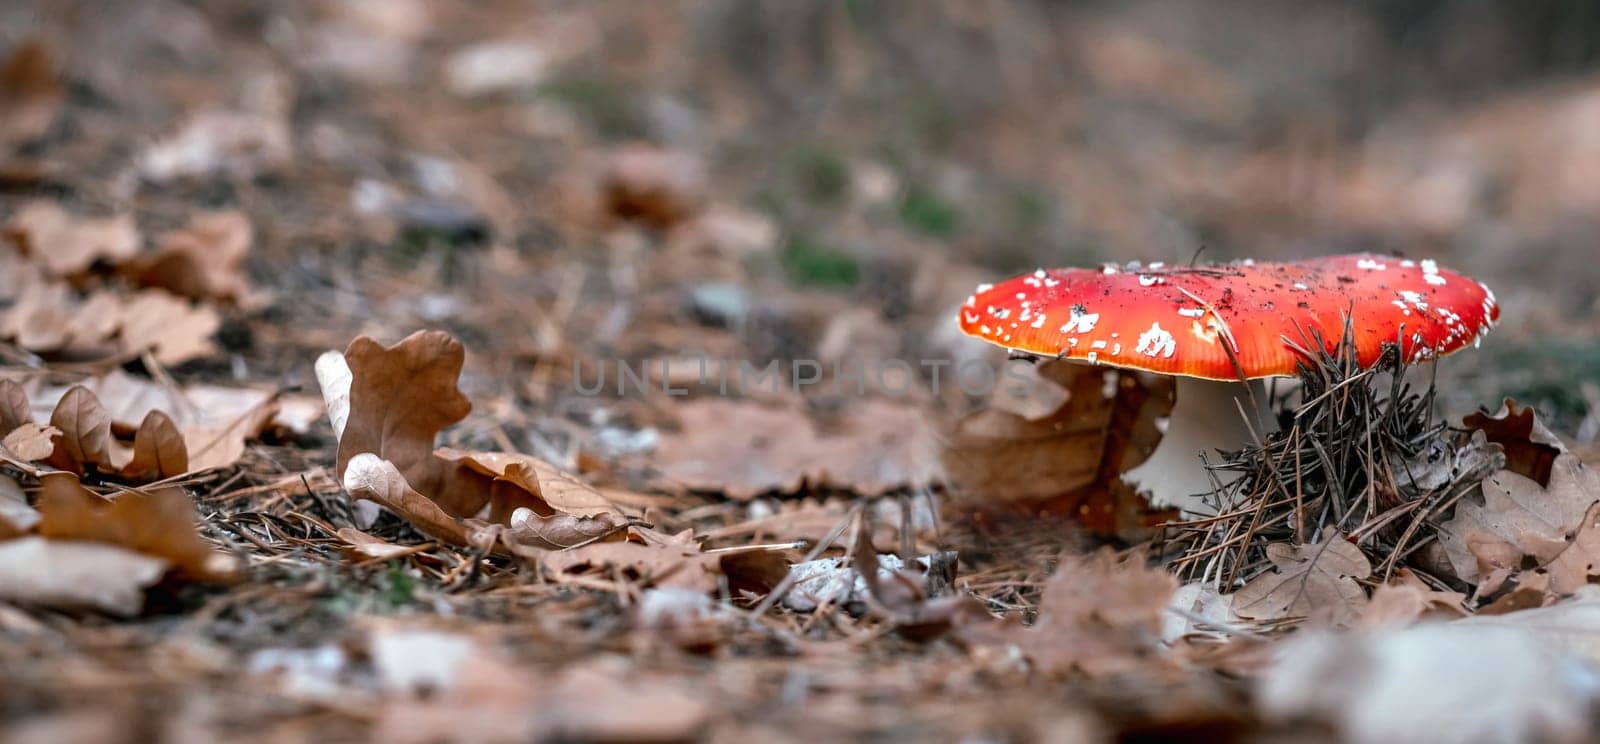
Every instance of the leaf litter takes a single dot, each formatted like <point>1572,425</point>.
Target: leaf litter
<point>188,536</point>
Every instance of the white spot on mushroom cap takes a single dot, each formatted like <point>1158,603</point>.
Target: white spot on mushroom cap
<point>970,318</point>
<point>1038,322</point>
<point>984,288</point>
<point>1370,265</point>
<point>1080,322</point>
<point>1146,280</point>
<point>1192,312</point>
<point>1156,342</point>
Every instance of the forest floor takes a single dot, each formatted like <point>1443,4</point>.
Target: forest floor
<point>259,261</point>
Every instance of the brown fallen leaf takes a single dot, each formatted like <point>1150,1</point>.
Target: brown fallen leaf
<point>31,442</point>
<point>76,575</point>
<point>401,397</point>
<point>1406,600</point>
<point>42,317</point>
<point>368,546</point>
<point>646,557</point>
<point>875,447</point>
<point>1579,564</point>
<point>30,95</point>
<point>85,432</point>
<point>15,409</point>
<point>370,477</point>
<point>1068,461</point>
<point>158,450</point>
<point>62,244</point>
<point>158,522</point>
<point>653,185</point>
<point>175,330</point>
<point>523,481</point>
<point>16,517</point>
<point>1099,614</point>
<point>211,447</point>
<point>1309,581</point>
<point>1520,517</point>
<point>204,260</point>
<point>530,529</point>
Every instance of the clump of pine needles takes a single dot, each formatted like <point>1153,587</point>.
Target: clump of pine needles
<point>1359,452</point>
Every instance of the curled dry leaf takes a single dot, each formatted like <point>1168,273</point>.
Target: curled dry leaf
<point>1527,511</point>
<point>85,432</point>
<point>62,244</point>
<point>157,522</point>
<point>1311,581</point>
<point>525,482</point>
<point>75,575</point>
<point>158,450</point>
<point>370,477</point>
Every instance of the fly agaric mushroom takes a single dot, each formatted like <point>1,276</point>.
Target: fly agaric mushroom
<point>1218,327</point>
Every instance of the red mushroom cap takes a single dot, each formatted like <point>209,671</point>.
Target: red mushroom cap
<point>1176,320</point>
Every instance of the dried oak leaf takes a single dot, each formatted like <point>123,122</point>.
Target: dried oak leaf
<point>31,442</point>
<point>169,326</point>
<point>1315,580</point>
<point>76,575</point>
<point>401,397</point>
<point>85,432</point>
<point>204,260</point>
<point>1099,614</point>
<point>158,450</point>
<point>1520,516</point>
<point>1577,566</point>
<point>158,522</point>
<point>64,245</point>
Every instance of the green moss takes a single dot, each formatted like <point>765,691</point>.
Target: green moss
<point>928,214</point>
<point>811,262</point>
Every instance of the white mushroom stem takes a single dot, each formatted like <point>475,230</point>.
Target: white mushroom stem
<point>1206,417</point>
